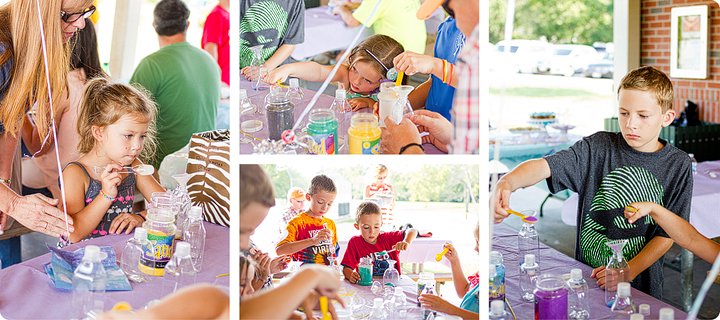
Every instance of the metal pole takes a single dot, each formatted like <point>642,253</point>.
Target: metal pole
<point>686,278</point>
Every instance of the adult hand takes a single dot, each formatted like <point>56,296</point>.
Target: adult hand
<point>312,302</point>
<point>436,303</point>
<point>501,197</point>
<point>401,246</point>
<point>440,129</point>
<point>396,136</point>
<point>263,261</point>
<point>411,63</point>
<point>125,221</point>
<point>111,178</point>
<point>39,213</point>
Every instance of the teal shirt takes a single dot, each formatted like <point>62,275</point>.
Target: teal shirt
<point>471,300</point>
<point>184,81</point>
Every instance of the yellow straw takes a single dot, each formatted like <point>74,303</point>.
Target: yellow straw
<point>398,82</point>
<point>251,136</point>
<point>222,275</point>
<point>282,85</point>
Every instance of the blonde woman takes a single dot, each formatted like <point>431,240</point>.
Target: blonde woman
<point>23,83</point>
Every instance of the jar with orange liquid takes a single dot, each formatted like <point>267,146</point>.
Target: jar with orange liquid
<point>364,134</point>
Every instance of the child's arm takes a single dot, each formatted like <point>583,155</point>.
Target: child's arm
<point>346,15</point>
<point>410,235</point>
<point>280,55</point>
<point>439,304</point>
<point>146,184</point>
<point>367,192</point>
<point>677,228</point>
<point>526,174</point>
<point>359,103</point>
<point>351,275</point>
<point>88,217</point>
<point>310,71</point>
<point>292,247</point>
<point>461,283</point>
<point>411,63</point>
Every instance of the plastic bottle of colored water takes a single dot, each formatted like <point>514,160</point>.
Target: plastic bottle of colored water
<point>130,259</point>
<point>693,162</point>
<point>88,284</point>
<point>578,296</point>
<point>497,310</point>
<point>424,279</point>
<point>364,134</point>
<point>425,312</point>
<point>623,301</point>
<point>183,199</point>
<point>194,233</point>
<point>322,129</point>
<point>365,269</point>
<point>179,271</point>
<point>497,286</point>
<point>529,272</point>
<point>161,230</point>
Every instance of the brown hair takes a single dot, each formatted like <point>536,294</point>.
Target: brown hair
<point>649,78</point>
<point>382,47</point>
<point>103,103</point>
<point>255,186</point>
<point>321,183</point>
<point>20,34</point>
<point>85,53</point>
<point>366,208</point>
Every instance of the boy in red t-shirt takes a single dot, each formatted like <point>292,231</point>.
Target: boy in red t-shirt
<point>373,243</point>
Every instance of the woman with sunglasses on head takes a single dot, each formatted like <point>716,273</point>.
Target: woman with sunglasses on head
<point>23,84</point>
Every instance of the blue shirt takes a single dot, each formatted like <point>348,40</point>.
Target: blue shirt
<point>5,74</point>
<point>448,44</point>
<point>471,300</point>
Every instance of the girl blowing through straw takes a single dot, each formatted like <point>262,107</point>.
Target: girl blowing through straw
<point>368,65</point>
<point>115,125</point>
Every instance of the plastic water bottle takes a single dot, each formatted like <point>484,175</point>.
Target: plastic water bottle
<point>398,298</point>
<point>528,241</point>
<point>529,272</point>
<point>130,259</point>
<point>183,198</point>
<point>88,284</point>
<point>623,301</point>
<point>377,312</point>
<point>426,278</point>
<point>667,314</point>
<point>693,161</point>
<point>497,286</point>
<point>179,272</point>
<point>194,234</point>
<point>343,112</point>
<point>497,311</point>
<point>425,312</point>
<point>578,296</point>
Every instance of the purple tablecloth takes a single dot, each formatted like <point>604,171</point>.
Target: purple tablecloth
<point>257,97</point>
<point>28,293</point>
<point>325,32</point>
<point>554,262</point>
<point>409,288</point>
<point>706,199</point>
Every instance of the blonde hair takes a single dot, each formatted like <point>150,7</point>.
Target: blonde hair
<point>379,46</point>
<point>104,102</point>
<point>379,169</point>
<point>649,78</point>
<point>20,34</point>
<point>255,186</point>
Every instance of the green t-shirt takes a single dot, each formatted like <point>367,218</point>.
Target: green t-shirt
<point>185,83</point>
<point>395,19</point>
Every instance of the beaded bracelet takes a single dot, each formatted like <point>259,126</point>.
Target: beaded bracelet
<point>452,71</point>
<point>102,193</point>
<point>5,181</point>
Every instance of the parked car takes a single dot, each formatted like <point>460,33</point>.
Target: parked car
<point>568,59</point>
<point>602,68</point>
<point>522,55</point>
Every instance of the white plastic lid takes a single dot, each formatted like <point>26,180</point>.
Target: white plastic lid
<point>140,233</point>
<point>398,290</point>
<point>667,314</point>
<point>92,253</point>
<point>340,94</point>
<point>637,316</point>
<point>644,309</point>
<point>495,254</point>
<point>377,302</point>
<point>497,307</point>
<point>623,289</point>
<point>692,155</point>
<point>576,274</point>
<point>529,259</point>
<point>195,212</point>
<point>294,83</point>
<point>242,94</point>
<point>182,249</point>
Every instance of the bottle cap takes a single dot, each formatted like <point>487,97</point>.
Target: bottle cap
<point>398,290</point>
<point>637,316</point>
<point>576,274</point>
<point>496,255</point>
<point>294,83</point>
<point>529,259</point>
<point>692,155</point>
<point>140,233</point>
<point>92,253</point>
<point>623,289</point>
<point>377,302</point>
<point>497,307</point>
<point>182,249</point>
<point>242,93</point>
<point>340,94</point>
<point>645,309</point>
<point>195,212</point>
<point>667,314</point>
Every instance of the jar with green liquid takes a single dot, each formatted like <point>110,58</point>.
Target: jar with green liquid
<point>322,130</point>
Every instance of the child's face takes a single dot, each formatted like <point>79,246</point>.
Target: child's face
<point>123,140</point>
<point>320,202</point>
<point>363,77</point>
<point>369,227</point>
<point>641,118</point>
<point>246,278</point>
<point>380,179</point>
<point>298,205</point>
<point>250,218</point>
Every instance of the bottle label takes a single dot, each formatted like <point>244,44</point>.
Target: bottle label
<point>322,143</point>
<point>164,246</point>
<point>371,147</point>
<point>497,285</point>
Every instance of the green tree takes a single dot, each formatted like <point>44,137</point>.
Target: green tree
<point>284,178</point>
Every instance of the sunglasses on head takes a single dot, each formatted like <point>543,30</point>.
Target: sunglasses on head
<point>447,9</point>
<point>72,17</point>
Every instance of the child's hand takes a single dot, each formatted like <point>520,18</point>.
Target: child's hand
<point>111,178</point>
<point>354,277</point>
<point>641,209</point>
<point>501,197</point>
<point>125,221</point>
<point>324,234</point>
<point>248,71</point>
<point>599,274</point>
<point>279,264</point>
<point>452,254</point>
<point>279,74</point>
<point>263,262</point>
<point>401,246</point>
<point>411,63</point>
<point>436,303</point>
<point>359,103</point>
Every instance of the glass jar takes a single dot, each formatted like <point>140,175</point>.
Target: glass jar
<point>551,297</point>
<point>160,225</point>
<point>322,130</point>
<point>280,114</point>
<point>365,269</point>
<point>364,134</point>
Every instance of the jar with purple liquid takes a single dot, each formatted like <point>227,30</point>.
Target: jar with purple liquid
<point>551,298</point>
<point>280,115</point>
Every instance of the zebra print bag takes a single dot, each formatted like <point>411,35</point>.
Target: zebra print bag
<point>209,165</point>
